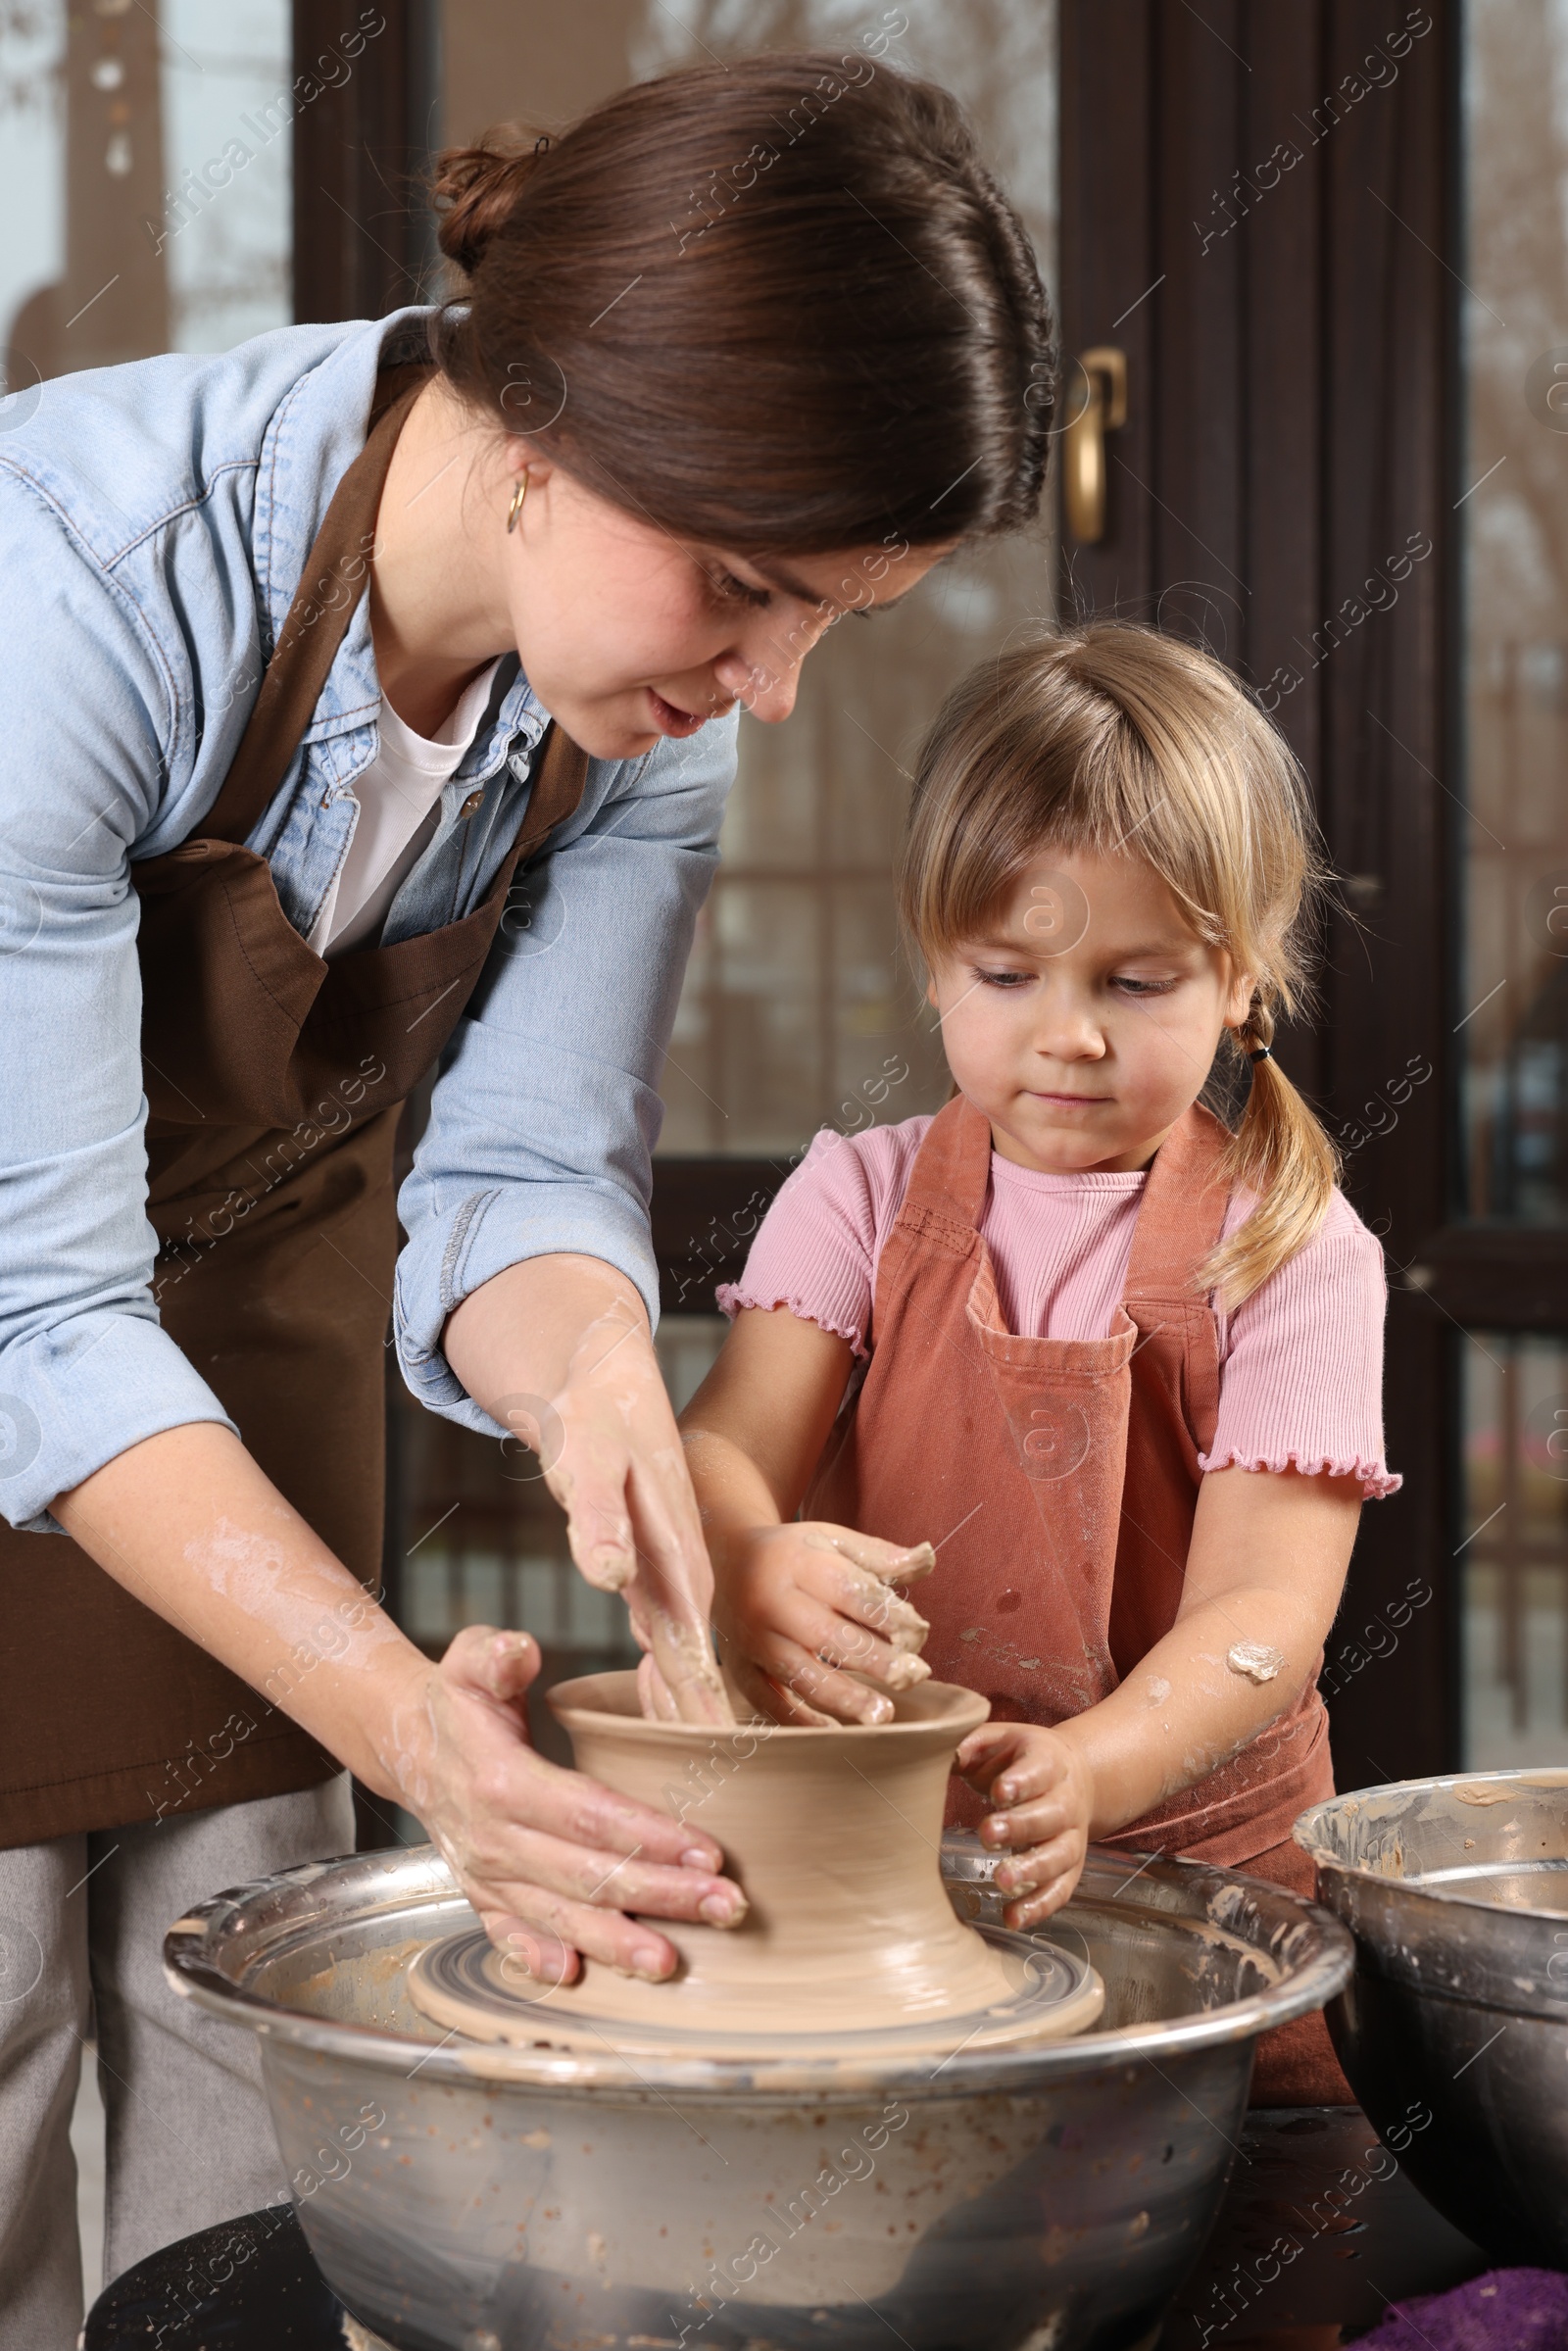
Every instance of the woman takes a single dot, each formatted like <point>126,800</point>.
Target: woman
<point>747,349</point>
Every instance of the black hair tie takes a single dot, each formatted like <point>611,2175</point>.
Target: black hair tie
<point>1264,1052</point>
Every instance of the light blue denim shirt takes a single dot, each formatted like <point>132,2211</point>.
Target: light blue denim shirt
<point>154,520</point>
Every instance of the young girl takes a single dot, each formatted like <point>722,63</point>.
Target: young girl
<point>1117,1366</point>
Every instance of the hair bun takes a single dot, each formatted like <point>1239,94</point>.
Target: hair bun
<point>475,191</point>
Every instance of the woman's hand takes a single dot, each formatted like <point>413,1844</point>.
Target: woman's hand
<point>799,1604</point>
<point>559,1350</point>
<point>1045,1792</point>
<point>551,1860</point>
<point>188,1524</point>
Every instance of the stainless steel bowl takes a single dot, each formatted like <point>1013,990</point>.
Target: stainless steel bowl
<point>467,2198</point>
<point>1454,2032</point>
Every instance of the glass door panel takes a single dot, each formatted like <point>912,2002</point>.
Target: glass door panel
<point>1514,1543</point>
<point>1511,1019</point>
<point>145,177</point>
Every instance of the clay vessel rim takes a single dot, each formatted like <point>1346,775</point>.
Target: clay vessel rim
<point>968,1711</point>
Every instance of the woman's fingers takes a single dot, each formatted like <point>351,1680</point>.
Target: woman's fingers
<point>517,1792</point>
<point>654,1694</point>
<point>632,1524</point>
<point>532,1959</point>
<point>674,1586</point>
<point>589,1482</point>
<point>682,1652</point>
<point>535,1873</point>
<point>541,1935</point>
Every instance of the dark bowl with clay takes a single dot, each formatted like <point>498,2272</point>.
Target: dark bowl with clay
<point>1454,2030</point>
<point>467,2197</point>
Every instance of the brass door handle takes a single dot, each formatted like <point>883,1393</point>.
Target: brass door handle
<point>1101,408</point>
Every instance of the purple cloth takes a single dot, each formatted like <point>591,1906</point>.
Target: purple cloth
<point>1505,2310</point>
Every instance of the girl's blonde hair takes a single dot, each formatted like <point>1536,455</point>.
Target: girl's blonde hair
<point>1110,734</point>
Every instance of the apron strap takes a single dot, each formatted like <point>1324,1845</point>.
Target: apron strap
<point>1183,1209</point>
<point>951,1172</point>
<point>558,788</point>
<point>324,602</point>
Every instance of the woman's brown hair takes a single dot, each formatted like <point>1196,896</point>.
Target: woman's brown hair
<point>1113,733</point>
<point>776,305</point>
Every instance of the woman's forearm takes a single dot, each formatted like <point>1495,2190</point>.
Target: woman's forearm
<point>519,1336</point>
<point>189,1524</point>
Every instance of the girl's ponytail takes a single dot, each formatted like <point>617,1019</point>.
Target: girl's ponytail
<point>1280,1152</point>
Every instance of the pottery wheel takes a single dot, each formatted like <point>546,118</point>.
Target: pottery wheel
<point>466,1985</point>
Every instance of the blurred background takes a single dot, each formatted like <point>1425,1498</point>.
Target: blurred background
<point>1312,268</point>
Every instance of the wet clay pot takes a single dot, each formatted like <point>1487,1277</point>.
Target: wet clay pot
<point>835,1837</point>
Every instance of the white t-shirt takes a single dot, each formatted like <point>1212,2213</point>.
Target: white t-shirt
<point>399,798</point>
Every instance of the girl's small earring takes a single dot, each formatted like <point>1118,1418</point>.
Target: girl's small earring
<point>520,493</point>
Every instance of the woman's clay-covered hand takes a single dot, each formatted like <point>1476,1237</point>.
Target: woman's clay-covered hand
<point>613,1459</point>
<point>804,1609</point>
<point>551,1860</point>
<point>1044,1791</point>
<point>559,1350</point>
<point>188,1524</point>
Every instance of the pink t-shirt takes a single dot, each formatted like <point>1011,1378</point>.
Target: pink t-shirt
<point>1301,1360</point>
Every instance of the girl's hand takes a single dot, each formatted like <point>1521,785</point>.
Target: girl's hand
<point>798,1604</point>
<point>1045,1793</point>
<point>612,1457</point>
<point>551,1860</point>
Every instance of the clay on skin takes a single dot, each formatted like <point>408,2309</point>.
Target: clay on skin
<point>1255,1659</point>
<point>251,1570</point>
<point>899,1624</point>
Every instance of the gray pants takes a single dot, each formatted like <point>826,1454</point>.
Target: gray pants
<point>82,1920</point>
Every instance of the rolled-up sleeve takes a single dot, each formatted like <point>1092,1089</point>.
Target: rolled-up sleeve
<point>544,1120</point>
<point>87,710</point>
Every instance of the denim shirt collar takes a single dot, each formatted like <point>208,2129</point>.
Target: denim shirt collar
<point>316,432</point>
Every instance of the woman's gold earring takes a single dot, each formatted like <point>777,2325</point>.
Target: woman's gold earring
<point>520,493</point>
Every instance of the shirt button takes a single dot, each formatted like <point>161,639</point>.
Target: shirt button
<point>472,805</point>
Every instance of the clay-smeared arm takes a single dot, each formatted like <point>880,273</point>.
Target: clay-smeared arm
<point>558,1348</point>
<point>188,1523</point>
<point>1265,1570</point>
<point>796,1602</point>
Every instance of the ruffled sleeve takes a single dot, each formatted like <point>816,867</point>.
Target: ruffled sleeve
<point>1301,1364</point>
<point>818,1247</point>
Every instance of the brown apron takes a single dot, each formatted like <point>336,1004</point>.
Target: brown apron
<point>272,1081</point>
<point>1060,1477</point>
